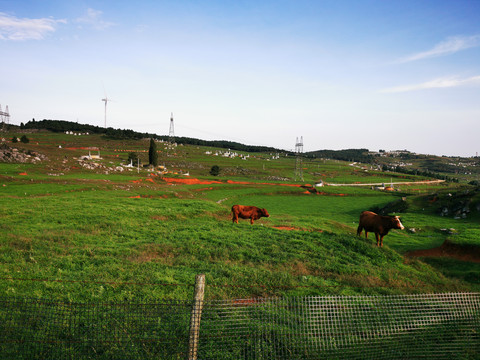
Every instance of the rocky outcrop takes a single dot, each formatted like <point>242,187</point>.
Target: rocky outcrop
<point>457,205</point>
<point>12,155</point>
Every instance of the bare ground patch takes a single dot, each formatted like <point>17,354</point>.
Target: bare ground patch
<point>469,253</point>
<point>155,252</point>
<point>294,228</point>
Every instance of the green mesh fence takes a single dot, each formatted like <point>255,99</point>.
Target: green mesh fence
<point>440,326</point>
<point>437,326</point>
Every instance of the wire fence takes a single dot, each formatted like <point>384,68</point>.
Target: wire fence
<point>436,326</point>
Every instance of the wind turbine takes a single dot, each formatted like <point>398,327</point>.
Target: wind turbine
<point>106,100</point>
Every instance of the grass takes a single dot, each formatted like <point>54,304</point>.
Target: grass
<point>98,236</point>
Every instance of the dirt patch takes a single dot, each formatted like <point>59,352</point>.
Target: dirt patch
<point>292,228</point>
<point>288,228</point>
<point>469,253</point>
<point>160,217</point>
<point>155,253</point>
<point>190,181</point>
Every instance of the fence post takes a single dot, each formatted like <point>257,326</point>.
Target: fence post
<point>196,316</point>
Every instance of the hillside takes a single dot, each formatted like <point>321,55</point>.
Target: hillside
<point>97,228</point>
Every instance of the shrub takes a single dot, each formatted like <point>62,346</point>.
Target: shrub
<point>132,158</point>
<point>215,170</point>
<point>24,139</point>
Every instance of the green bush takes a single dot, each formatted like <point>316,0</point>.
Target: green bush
<point>132,158</point>
<point>215,170</point>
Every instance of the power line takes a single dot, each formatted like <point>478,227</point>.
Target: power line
<point>298,159</point>
<point>4,118</point>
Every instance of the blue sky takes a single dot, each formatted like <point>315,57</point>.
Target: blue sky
<point>343,74</point>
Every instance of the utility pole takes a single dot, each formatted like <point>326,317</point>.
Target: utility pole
<point>4,118</point>
<point>171,136</point>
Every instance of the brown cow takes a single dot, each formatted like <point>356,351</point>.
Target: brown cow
<point>248,212</point>
<point>379,224</point>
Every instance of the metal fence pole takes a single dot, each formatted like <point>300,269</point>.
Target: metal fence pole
<point>196,316</point>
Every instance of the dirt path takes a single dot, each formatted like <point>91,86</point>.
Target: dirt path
<point>193,181</point>
<point>393,183</point>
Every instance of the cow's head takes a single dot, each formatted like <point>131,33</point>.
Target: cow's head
<point>265,213</point>
<point>398,224</point>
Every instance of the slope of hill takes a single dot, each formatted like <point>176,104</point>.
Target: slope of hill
<point>83,227</point>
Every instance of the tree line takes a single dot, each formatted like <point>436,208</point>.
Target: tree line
<point>63,126</point>
<point>124,134</point>
<point>357,155</point>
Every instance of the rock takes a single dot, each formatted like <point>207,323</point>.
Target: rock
<point>10,155</point>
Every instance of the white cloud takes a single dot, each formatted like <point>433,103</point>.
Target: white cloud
<point>434,84</point>
<point>449,46</point>
<point>94,19</point>
<point>16,29</point>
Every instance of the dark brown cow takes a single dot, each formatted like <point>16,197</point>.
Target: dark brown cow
<point>248,212</point>
<point>378,224</point>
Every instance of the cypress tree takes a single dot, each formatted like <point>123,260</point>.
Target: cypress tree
<point>152,153</point>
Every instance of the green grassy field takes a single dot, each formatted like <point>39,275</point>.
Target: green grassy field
<point>109,235</point>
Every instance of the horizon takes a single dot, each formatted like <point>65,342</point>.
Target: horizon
<point>280,149</point>
<point>350,74</point>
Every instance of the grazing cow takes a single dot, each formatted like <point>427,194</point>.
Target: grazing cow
<point>248,212</point>
<point>379,224</point>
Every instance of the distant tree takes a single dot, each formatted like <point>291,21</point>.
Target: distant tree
<point>215,170</point>
<point>132,158</point>
<point>152,153</point>
<point>22,125</point>
<point>14,139</point>
<point>24,139</point>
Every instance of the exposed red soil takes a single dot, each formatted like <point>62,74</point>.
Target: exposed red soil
<point>324,193</point>
<point>191,181</point>
<point>194,181</point>
<point>469,253</point>
<point>23,173</point>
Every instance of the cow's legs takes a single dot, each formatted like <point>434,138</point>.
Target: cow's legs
<point>359,230</point>
<point>366,234</point>
<point>377,236</point>
<point>381,241</point>
<point>235,218</point>
<point>251,221</point>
